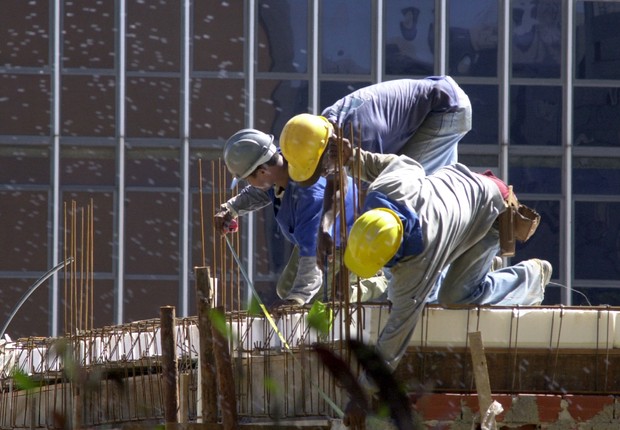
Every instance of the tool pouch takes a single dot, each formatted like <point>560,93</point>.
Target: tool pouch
<point>517,222</point>
<point>526,222</point>
<point>507,241</point>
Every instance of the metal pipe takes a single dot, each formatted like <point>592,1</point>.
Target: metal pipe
<point>32,289</point>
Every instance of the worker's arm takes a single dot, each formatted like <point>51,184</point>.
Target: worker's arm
<point>303,224</point>
<point>336,184</point>
<point>248,200</point>
<point>325,242</point>
<point>368,165</point>
<point>307,281</point>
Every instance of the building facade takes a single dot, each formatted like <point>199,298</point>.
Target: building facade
<point>117,111</point>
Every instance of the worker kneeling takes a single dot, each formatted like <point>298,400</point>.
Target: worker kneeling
<point>419,225</point>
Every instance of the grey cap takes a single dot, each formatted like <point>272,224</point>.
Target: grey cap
<point>247,149</point>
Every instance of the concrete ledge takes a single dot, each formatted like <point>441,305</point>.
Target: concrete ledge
<point>523,410</point>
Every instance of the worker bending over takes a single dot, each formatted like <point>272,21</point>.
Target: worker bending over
<point>417,225</point>
<point>251,155</point>
<point>421,118</point>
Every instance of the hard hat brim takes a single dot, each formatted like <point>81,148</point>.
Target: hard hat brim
<point>373,240</point>
<point>311,180</point>
<point>367,271</point>
<point>235,182</point>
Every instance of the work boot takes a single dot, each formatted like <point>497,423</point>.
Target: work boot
<point>546,270</point>
<point>498,263</point>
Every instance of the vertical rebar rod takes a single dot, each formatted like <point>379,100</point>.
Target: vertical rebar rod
<point>202,213</point>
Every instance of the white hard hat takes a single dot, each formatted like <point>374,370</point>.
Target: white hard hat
<point>247,149</point>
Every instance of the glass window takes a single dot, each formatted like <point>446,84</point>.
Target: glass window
<point>24,165</point>
<point>535,115</point>
<point>25,105</point>
<point>32,317</point>
<point>536,174</point>
<point>409,37</point>
<point>553,294</point>
<point>472,38</point>
<point>485,122</point>
<point>597,117</point>
<point>595,296</point>
<point>597,240</point>
<point>273,250</point>
<point>153,107</point>
<point>88,106</point>
<point>597,40</point>
<point>536,38</point>
<point>277,102</point>
<point>103,309</point>
<point>215,191</point>
<point>143,299</point>
<point>77,204</point>
<point>24,231</point>
<point>87,165</point>
<point>153,36</point>
<point>24,28</point>
<point>218,39</point>
<point>481,162</point>
<point>214,170</point>
<point>153,167</point>
<point>332,91</point>
<point>282,36</point>
<point>346,36</point>
<point>596,175</point>
<point>152,226</point>
<point>202,252</point>
<point>88,36</point>
<point>218,108</point>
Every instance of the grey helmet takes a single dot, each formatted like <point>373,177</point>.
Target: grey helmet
<point>247,149</point>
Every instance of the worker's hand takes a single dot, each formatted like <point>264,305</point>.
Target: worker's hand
<point>324,247</point>
<point>354,416</point>
<point>336,149</point>
<point>224,222</point>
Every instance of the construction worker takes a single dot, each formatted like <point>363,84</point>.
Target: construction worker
<point>421,118</point>
<point>251,155</point>
<point>417,225</point>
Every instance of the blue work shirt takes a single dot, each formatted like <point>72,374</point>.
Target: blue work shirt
<point>298,213</point>
<point>412,243</point>
<point>387,114</point>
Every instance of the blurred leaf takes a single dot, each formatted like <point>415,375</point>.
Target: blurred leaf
<point>390,391</point>
<point>320,318</point>
<point>23,381</point>
<point>341,371</point>
<point>218,321</point>
<point>254,308</point>
<point>272,386</point>
<point>64,350</point>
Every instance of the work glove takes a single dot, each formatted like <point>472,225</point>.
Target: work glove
<point>225,222</point>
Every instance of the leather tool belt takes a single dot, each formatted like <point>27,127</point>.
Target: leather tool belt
<point>517,222</point>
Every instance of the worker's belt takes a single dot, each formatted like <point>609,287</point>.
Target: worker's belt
<point>517,222</point>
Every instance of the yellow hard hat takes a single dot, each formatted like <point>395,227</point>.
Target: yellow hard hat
<point>303,141</point>
<point>374,239</point>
